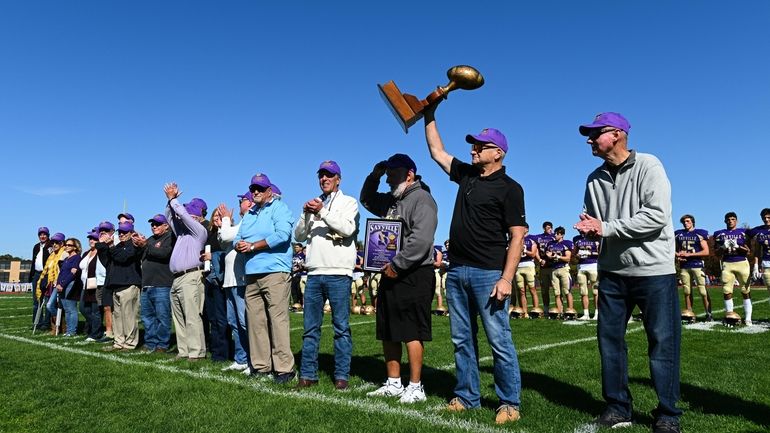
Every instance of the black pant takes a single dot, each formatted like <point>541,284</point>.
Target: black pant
<point>216,311</point>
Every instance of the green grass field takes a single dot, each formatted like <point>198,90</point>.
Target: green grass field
<point>57,384</point>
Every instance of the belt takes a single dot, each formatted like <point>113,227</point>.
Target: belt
<point>187,271</point>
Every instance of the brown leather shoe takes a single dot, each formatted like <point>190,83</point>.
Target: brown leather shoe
<point>341,384</point>
<point>306,383</point>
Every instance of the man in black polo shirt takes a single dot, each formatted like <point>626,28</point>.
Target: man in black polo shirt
<point>487,233</point>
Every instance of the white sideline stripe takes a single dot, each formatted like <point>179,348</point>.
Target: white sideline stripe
<point>372,406</point>
<point>586,428</point>
<point>14,308</point>
<point>329,325</point>
<point>448,367</point>
<point>16,317</point>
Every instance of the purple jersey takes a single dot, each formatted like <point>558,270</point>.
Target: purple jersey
<point>729,241</point>
<point>762,235</point>
<point>542,241</point>
<point>298,264</point>
<point>559,249</point>
<point>690,242</point>
<point>527,246</point>
<point>587,249</point>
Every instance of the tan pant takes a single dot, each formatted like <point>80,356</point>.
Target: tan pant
<point>693,274</point>
<point>766,277</point>
<point>357,286</point>
<point>440,283</point>
<point>525,278</point>
<point>560,281</point>
<point>732,271</point>
<point>125,322</point>
<point>267,318</point>
<point>374,283</point>
<point>585,278</point>
<point>187,295</point>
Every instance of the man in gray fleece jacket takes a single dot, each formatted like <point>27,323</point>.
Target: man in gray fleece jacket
<point>628,205</point>
<point>406,288</point>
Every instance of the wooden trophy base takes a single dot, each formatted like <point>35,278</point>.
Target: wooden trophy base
<point>406,108</point>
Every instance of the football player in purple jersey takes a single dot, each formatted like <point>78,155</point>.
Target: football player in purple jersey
<point>761,237</point>
<point>525,273</point>
<point>732,248</point>
<point>438,260</point>
<point>691,247</point>
<point>542,241</point>
<point>587,251</point>
<point>558,254</point>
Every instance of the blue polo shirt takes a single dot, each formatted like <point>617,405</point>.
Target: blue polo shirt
<point>273,223</point>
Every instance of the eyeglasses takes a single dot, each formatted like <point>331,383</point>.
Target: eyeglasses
<point>480,147</point>
<point>154,224</point>
<point>257,188</point>
<point>58,242</point>
<point>121,232</point>
<point>593,135</point>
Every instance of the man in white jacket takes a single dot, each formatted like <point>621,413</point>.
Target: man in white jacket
<point>329,224</point>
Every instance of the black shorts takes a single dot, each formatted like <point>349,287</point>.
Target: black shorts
<point>107,297</point>
<point>403,306</point>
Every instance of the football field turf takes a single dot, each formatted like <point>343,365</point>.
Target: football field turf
<point>57,384</point>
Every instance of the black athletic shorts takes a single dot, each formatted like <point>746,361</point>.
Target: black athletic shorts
<point>403,306</point>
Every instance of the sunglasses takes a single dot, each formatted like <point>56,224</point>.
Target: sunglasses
<point>155,224</point>
<point>121,232</point>
<point>480,147</point>
<point>257,188</point>
<point>597,133</point>
<point>326,174</point>
<point>70,245</point>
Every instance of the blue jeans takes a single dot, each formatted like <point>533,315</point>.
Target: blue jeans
<point>658,299</point>
<point>70,310</point>
<point>216,310</point>
<point>467,293</point>
<point>335,288</point>
<point>90,310</point>
<point>156,316</point>
<point>51,306</point>
<point>236,318</point>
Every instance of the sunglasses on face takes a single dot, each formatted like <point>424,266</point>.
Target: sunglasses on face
<point>154,224</point>
<point>121,232</point>
<point>70,245</point>
<point>595,134</point>
<point>257,188</point>
<point>326,174</point>
<point>480,147</point>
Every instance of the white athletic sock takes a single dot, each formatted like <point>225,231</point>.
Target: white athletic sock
<point>747,307</point>
<point>728,305</point>
<point>415,384</point>
<point>395,381</point>
<point>585,312</point>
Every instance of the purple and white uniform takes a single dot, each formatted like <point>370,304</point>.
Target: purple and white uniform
<point>762,236</point>
<point>729,241</point>
<point>559,249</point>
<point>690,242</point>
<point>542,241</point>
<point>587,252</point>
<point>527,261</point>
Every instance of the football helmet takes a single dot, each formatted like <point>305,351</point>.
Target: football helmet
<point>536,313</point>
<point>296,307</point>
<point>327,308</point>
<point>516,312</point>
<point>367,310</point>
<point>356,309</point>
<point>553,313</point>
<point>688,316</point>
<point>732,319</point>
<point>570,314</point>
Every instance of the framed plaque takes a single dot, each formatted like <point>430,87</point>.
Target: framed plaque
<point>382,242</point>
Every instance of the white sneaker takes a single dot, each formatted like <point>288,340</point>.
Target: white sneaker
<point>235,366</point>
<point>413,394</point>
<point>387,390</point>
<point>748,322</point>
<point>90,340</point>
<point>584,317</point>
<point>246,371</point>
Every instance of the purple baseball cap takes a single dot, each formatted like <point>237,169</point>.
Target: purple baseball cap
<point>126,227</point>
<point>106,226</point>
<point>199,202</point>
<point>330,166</point>
<point>159,218</point>
<point>276,190</point>
<point>127,216</point>
<point>400,160</point>
<point>193,209</point>
<point>489,135</point>
<point>616,120</point>
<point>246,196</point>
<point>93,234</point>
<point>58,237</point>
<point>260,179</point>
<point>43,230</point>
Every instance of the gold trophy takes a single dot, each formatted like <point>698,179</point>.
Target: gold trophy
<point>407,109</point>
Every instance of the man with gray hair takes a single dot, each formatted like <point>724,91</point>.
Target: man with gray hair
<point>628,206</point>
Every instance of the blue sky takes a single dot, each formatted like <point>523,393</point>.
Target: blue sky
<point>104,102</point>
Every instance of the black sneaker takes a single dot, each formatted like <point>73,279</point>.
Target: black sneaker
<point>665,426</point>
<point>612,419</point>
<point>284,378</point>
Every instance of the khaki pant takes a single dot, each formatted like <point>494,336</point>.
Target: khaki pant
<point>267,319</point>
<point>374,284</point>
<point>766,277</point>
<point>440,283</point>
<point>357,286</point>
<point>732,271</point>
<point>693,274</point>
<point>585,278</point>
<point>525,278</point>
<point>560,281</point>
<point>187,295</point>
<point>125,322</point>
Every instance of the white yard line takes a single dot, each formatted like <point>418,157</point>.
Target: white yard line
<point>28,316</point>
<point>371,406</point>
<point>329,325</point>
<point>17,308</point>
